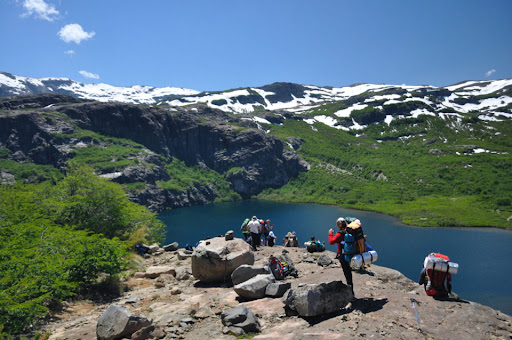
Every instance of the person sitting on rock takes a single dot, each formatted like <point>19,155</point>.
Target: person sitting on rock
<point>290,240</point>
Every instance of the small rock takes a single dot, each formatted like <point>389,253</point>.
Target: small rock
<point>175,291</point>
<point>324,260</point>
<point>171,247</point>
<point>229,235</point>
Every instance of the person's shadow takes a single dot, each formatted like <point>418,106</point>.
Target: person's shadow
<point>364,305</point>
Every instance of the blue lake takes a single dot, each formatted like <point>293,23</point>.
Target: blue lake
<point>484,255</point>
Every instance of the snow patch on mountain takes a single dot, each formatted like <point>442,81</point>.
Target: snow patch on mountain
<point>346,112</point>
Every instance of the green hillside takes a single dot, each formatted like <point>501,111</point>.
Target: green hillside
<point>418,169</point>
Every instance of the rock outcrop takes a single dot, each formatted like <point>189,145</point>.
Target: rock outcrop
<point>249,159</point>
<point>188,309</point>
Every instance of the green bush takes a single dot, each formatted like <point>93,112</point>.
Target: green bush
<point>56,240</point>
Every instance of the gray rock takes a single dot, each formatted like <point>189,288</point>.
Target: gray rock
<point>143,333</point>
<point>183,273</point>
<point>155,271</point>
<point>229,235</point>
<point>246,272</point>
<point>318,299</point>
<point>215,260</point>
<point>277,289</point>
<point>184,254</point>
<point>153,248</point>
<point>254,288</point>
<point>241,317</point>
<point>117,322</point>
<point>171,247</point>
<point>324,260</point>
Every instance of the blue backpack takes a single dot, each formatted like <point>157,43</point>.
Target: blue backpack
<point>349,249</point>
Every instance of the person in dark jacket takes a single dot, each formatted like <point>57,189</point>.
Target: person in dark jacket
<point>338,238</point>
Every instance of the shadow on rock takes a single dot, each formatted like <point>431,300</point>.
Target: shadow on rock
<point>451,298</point>
<point>226,284</point>
<point>313,320</point>
<point>365,272</point>
<point>368,305</point>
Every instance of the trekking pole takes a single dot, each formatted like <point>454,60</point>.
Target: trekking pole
<point>416,312</point>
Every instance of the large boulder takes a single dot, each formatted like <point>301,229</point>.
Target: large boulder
<point>318,299</point>
<point>117,323</point>
<point>214,260</point>
<point>254,288</point>
<point>246,272</point>
<point>241,318</point>
<point>277,289</point>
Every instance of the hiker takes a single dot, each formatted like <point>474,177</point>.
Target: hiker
<point>262,227</point>
<point>254,228</point>
<point>266,231</point>
<point>245,229</point>
<point>338,238</point>
<point>314,245</point>
<point>436,275</point>
<point>271,239</point>
<point>290,240</point>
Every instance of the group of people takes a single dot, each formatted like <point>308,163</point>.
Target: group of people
<point>257,232</point>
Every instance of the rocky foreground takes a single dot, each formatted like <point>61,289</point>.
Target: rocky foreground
<point>178,306</point>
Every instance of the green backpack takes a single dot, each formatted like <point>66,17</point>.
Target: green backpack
<point>244,228</point>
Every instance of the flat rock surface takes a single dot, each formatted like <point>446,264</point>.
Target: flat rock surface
<point>382,308</point>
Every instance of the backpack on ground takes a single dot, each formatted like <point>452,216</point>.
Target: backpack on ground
<point>280,269</point>
<point>436,275</point>
<point>277,268</point>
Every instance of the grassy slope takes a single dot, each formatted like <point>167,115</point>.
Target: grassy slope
<point>421,188</point>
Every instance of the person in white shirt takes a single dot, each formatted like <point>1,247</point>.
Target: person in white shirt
<point>254,227</point>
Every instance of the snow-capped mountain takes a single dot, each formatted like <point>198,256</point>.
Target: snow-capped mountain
<point>357,105</point>
<point>13,85</point>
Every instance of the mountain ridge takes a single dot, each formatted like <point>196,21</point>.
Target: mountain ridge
<point>393,149</point>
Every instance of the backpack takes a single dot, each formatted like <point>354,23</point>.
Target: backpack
<point>245,228</point>
<point>349,248</point>
<point>437,282</point>
<point>280,269</point>
<point>277,268</point>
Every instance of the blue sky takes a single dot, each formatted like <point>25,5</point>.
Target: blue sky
<point>219,45</point>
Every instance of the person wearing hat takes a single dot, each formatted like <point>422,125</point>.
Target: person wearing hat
<point>287,240</point>
<point>254,228</point>
<point>338,238</point>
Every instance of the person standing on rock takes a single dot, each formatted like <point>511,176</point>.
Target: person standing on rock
<point>338,238</point>
<point>254,227</point>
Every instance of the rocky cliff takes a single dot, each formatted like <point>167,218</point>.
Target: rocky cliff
<point>46,129</point>
<point>181,307</point>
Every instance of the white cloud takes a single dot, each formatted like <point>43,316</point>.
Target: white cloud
<point>40,9</point>
<point>489,73</point>
<point>70,52</point>
<point>74,33</point>
<point>89,75</point>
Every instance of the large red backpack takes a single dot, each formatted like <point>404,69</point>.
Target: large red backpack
<point>437,280</point>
